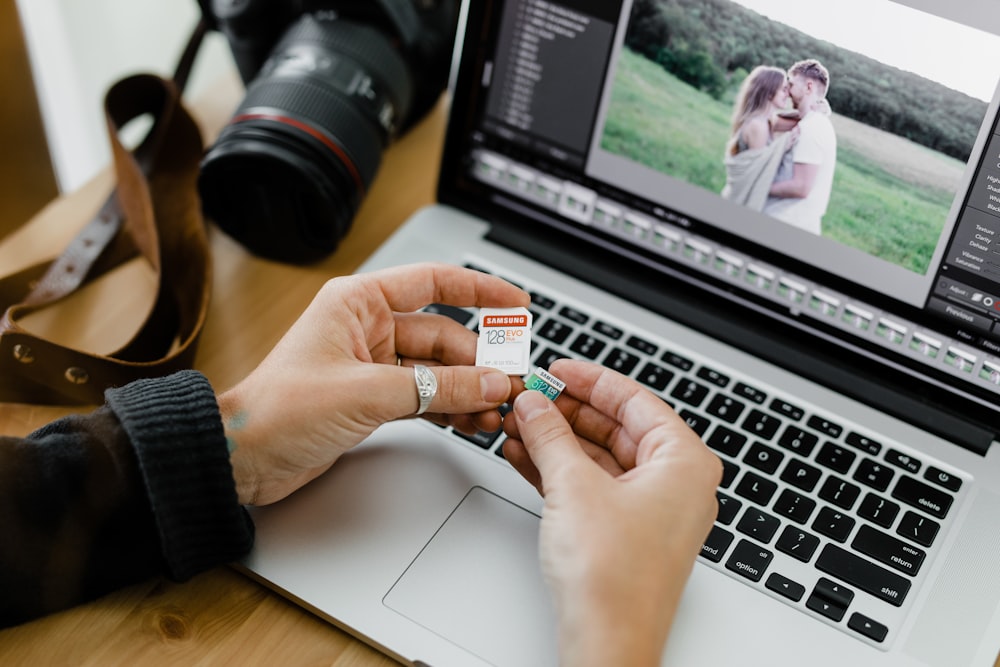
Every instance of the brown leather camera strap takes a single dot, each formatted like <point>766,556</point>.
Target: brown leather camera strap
<point>153,212</point>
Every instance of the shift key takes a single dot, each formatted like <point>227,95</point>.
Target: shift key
<point>863,574</point>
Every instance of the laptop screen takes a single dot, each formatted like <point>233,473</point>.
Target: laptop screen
<point>838,168</point>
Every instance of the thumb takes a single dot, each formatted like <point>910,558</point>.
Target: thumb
<point>547,437</point>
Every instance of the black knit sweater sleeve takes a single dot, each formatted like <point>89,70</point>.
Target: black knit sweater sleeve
<point>91,503</point>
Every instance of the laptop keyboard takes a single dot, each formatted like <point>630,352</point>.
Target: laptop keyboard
<point>825,517</point>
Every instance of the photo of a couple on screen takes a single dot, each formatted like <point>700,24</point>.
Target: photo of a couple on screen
<point>789,122</point>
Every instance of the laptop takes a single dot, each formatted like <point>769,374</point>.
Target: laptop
<point>845,369</point>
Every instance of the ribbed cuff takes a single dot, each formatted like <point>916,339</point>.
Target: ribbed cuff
<point>176,429</point>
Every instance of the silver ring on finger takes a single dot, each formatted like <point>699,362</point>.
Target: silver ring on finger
<point>427,387</point>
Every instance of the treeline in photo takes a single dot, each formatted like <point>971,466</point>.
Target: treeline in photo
<point>712,45</point>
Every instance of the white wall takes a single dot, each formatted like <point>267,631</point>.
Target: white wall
<point>78,48</point>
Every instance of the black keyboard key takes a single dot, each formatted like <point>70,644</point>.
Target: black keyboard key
<point>756,488</point>
<point>555,331</point>
<point>481,438</point>
<point>801,475</point>
<point>835,525</point>
<point>574,315</point>
<point>793,412</point>
<point>872,473</point>
<point>677,361</point>
<point>588,346</point>
<point>841,493</point>
<point>690,392</point>
<point>888,550</point>
<point>642,345</point>
<point>541,301</point>
<point>729,507</point>
<point>655,376</point>
<point>918,528</point>
<point>750,393</point>
<point>904,461</point>
<point>798,440</point>
<point>726,441</point>
<point>826,426</point>
<point>835,457</point>
<point>621,361</point>
<point>797,543</point>
<point>762,425</point>
<point>729,472</point>
<point>863,443</point>
<point>749,560</point>
<point>794,506</point>
<point>867,627</point>
<point>869,577</point>
<point>828,599</point>
<point>725,407</point>
<point>785,587</point>
<point>878,510</point>
<point>758,525</point>
<point>716,544</point>
<point>460,315</point>
<point>942,478</point>
<point>696,422</point>
<point>922,496</point>
<point>713,376</point>
<point>547,357</point>
<point>764,458</point>
<point>605,329</point>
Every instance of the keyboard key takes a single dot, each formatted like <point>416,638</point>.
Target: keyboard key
<point>867,627</point>
<point>716,544</point>
<point>726,441</point>
<point>941,478</point>
<point>605,329</point>
<point>785,408</point>
<point>696,422</point>
<point>888,550</point>
<point>785,587</point>
<point>826,426</point>
<point>759,525</point>
<point>856,571</point>
<point>725,407</point>
<point>750,393</point>
<point>904,461</point>
<point>835,457</point>
<point>756,489</point>
<point>794,506</point>
<point>642,345</point>
<point>764,458</point>
<point>878,510</point>
<point>839,492</point>
<point>917,528</point>
<point>728,508</point>
<point>800,474</point>
<point>481,438</point>
<point>547,357</point>
<point>621,361</point>
<point>655,376</point>
<point>762,425</point>
<point>690,392</point>
<point>713,376</point>
<point>729,472</point>
<point>574,315</point>
<point>863,443</point>
<point>555,331</point>
<point>922,496</point>
<point>836,593</point>
<point>798,440</point>
<point>588,346</point>
<point>460,315</point>
<point>797,543</point>
<point>874,474</point>
<point>749,560</point>
<point>677,361</point>
<point>835,525</point>
<point>827,599</point>
<point>541,301</point>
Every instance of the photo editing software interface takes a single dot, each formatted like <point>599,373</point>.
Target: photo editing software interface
<point>626,120</point>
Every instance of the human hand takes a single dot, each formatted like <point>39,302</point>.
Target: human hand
<point>333,378</point>
<point>629,500</point>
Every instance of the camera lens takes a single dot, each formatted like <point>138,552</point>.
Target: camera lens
<point>289,171</point>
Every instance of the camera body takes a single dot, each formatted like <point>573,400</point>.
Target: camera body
<point>328,85</point>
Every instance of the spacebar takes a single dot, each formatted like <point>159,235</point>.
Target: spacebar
<point>864,574</point>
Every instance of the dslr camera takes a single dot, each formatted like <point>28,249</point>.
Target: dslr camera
<point>328,85</point>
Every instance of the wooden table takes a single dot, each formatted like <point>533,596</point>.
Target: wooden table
<point>219,617</point>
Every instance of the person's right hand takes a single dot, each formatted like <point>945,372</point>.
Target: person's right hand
<point>629,499</point>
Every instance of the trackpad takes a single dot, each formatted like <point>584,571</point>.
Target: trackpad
<point>478,584</point>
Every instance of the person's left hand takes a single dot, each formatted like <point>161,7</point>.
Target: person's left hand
<point>334,377</point>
